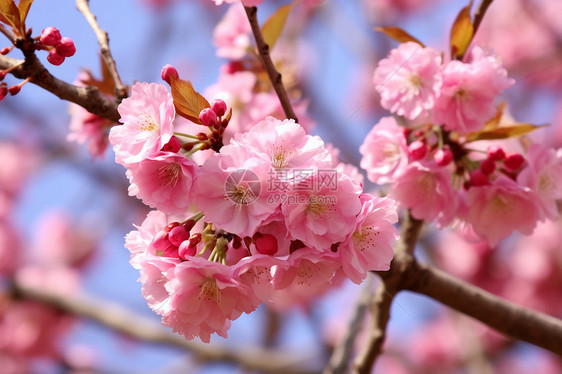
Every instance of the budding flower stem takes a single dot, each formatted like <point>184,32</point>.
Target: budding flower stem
<point>196,217</point>
<point>196,148</point>
<point>185,135</point>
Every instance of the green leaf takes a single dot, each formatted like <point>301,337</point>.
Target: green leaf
<point>273,27</point>
<point>461,33</point>
<point>23,7</point>
<point>9,13</point>
<point>515,130</point>
<point>188,102</point>
<point>398,34</point>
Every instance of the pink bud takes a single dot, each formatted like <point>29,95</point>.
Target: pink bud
<point>514,161</point>
<point>5,50</point>
<point>417,150</point>
<point>14,90</point>
<point>189,247</point>
<point>208,117</point>
<point>219,107</point>
<point>55,58</point>
<point>173,145</point>
<point>66,47</point>
<point>443,157</point>
<point>163,246</point>
<point>3,91</point>
<point>496,153</point>
<point>50,36</point>
<point>2,75</point>
<point>167,72</point>
<point>266,243</point>
<point>488,166</point>
<point>177,235</point>
<point>478,178</point>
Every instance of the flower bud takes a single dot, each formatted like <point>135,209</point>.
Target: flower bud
<point>514,161</point>
<point>163,246</point>
<point>188,247</point>
<point>488,166</point>
<point>167,72</point>
<point>173,145</point>
<point>14,90</point>
<point>66,47</point>
<point>5,50</point>
<point>219,107</point>
<point>443,157</point>
<point>50,36</point>
<point>3,91</point>
<point>208,117</point>
<point>55,58</point>
<point>496,153</point>
<point>417,150</point>
<point>266,244</point>
<point>478,178</point>
<point>177,235</point>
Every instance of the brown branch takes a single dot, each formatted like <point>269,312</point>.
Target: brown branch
<point>141,328</point>
<point>510,319</point>
<point>392,281</point>
<point>274,76</point>
<point>103,40</point>
<point>87,97</point>
<point>479,15</point>
<point>8,33</point>
<point>342,353</point>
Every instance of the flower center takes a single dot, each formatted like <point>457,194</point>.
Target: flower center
<point>210,291</point>
<point>168,175</point>
<point>147,123</point>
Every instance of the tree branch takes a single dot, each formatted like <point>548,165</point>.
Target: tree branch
<point>103,40</point>
<point>342,353</point>
<point>87,97</point>
<point>274,76</point>
<point>510,319</point>
<point>7,33</point>
<point>392,281</point>
<point>141,328</point>
<point>479,15</point>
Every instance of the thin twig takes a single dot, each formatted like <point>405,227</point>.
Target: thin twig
<point>124,321</point>
<point>87,97</point>
<point>339,361</point>
<point>103,40</point>
<point>513,320</point>
<point>274,76</point>
<point>479,15</point>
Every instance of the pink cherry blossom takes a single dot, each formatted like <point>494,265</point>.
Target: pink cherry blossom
<point>409,80</point>
<point>497,209</point>
<point>306,274</point>
<point>426,190</point>
<point>204,297</point>
<point>543,174</point>
<point>164,181</point>
<point>232,34</point>
<point>384,150</point>
<point>147,117</point>
<point>320,214</point>
<point>469,89</point>
<point>286,144</point>
<point>245,2</point>
<point>10,249</point>
<point>370,246</point>
<point>232,192</point>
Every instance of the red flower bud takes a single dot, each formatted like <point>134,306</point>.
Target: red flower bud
<point>55,58</point>
<point>66,47</point>
<point>167,72</point>
<point>50,36</point>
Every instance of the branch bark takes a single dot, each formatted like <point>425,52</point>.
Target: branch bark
<point>124,321</point>
<point>87,97</point>
<point>510,319</point>
<point>274,75</point>
<point>103,40</point>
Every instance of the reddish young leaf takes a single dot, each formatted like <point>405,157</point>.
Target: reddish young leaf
<point>461,33</point>
<point>273,27</point>
<point>515,130</point>
<point>9,13</point>
<point>23,7</point>
<point>398,34</point>
<point>106,85</point>
<point>188,102</point>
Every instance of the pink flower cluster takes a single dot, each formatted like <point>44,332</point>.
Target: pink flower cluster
<point>434,164</point>
<point>270,215</point>
<point>413,82</point>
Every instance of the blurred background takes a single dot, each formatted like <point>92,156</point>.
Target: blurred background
<point>64,212</point>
